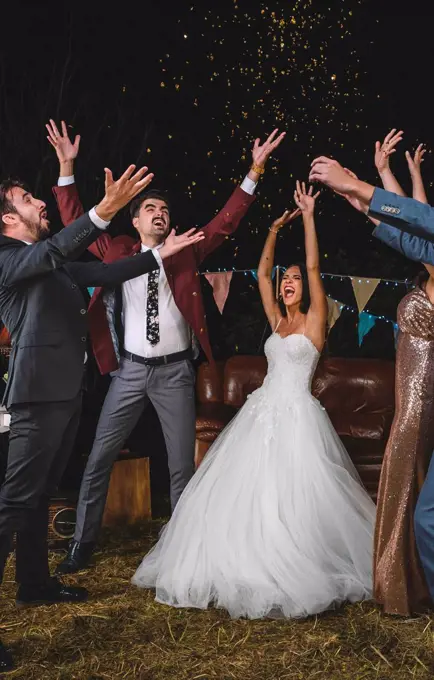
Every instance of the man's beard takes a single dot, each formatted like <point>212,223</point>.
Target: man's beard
<point>160,236</point>
<point>37,230</point>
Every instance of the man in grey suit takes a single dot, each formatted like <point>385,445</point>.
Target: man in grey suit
<point>44,310</point>
<point>145,334</point>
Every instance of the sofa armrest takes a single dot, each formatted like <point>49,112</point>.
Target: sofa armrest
<point>211,419</point>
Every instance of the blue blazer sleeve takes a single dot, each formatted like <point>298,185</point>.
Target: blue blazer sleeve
<point>403,213</point>
<point>413,247</point>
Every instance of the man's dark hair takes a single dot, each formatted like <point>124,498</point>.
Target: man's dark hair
<point>137,202</point>
<point>6,205</point>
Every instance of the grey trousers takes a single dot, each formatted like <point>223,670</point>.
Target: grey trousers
<point>170,388</point>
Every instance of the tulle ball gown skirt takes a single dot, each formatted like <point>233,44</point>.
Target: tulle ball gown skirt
<point>275,521</point>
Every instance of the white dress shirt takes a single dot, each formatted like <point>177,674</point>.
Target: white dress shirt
<point>175,333</point>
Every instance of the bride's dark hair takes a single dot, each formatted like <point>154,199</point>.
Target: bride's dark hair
<point>305,294</point>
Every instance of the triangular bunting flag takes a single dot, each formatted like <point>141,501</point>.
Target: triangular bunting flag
<point>220,283</point>
<point>335,309</point>
<point>254,273</point>
<point>366,323</point>
<point>363,290</point>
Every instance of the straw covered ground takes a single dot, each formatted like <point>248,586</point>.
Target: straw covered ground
<point>122,633</point>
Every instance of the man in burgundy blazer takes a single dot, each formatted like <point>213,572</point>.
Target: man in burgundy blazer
<point>143,336</point>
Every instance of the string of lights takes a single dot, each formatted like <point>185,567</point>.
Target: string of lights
<point>341,277</point>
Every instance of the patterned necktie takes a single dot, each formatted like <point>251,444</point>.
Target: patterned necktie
<point>152,320</point>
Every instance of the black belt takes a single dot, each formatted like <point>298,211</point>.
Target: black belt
<point>158,361</point>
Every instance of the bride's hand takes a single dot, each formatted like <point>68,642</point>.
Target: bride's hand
<point>286,218</point>
<point>305,201</point>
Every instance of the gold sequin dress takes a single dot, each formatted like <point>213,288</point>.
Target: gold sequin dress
<point>399,582</point>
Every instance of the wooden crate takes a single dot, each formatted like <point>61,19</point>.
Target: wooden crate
<point>129,496</point>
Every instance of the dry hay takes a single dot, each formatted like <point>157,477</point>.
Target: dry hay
<point>122,633</point>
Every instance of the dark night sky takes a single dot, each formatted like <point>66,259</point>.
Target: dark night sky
<point>195,82</point>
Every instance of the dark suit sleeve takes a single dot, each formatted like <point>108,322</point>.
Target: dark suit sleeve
<point>20,263</point>
<point>101,274</point>
<point>413,247</point>
<point>70,209</point>
<point>403,213</point>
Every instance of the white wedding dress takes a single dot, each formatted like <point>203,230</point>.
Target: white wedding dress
<point>275,522</point>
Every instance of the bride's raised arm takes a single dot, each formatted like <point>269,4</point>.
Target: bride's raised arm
<point>317,315</point>
<point>265,268</point>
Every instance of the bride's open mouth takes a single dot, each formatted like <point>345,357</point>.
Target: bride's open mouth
<point>288,291</point>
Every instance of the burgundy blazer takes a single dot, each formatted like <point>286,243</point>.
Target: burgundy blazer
<point>181,270</point>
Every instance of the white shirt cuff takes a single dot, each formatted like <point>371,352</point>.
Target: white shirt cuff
<point>157,256</point>
<point>98,221</point>
<point>65,181</point>
<point>248,185</point>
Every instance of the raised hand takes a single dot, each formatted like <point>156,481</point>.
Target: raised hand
<point>305,201</point>
<point>331,173</point>
<point>120,192</point>
<point>66,150</point>
<point>386,149</point>
<point>286,218</point>
<point>415,162</point>
<point>173,243</point>
<point>262,152</point>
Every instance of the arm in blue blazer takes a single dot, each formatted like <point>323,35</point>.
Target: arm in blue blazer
<point>405,214</point>
<point>413,247</point>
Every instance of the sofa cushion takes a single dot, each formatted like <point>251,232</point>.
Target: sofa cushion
<point>361,425</point>
<point>242,376</point>
<point>356,386</point>
<point>209,383</point>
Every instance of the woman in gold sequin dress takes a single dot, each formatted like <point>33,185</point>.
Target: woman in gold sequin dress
<point>399,582</point>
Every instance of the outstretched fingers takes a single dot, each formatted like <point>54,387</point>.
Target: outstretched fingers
<point>127,174</point>
<point>142,184</point>
<point>271,137</point>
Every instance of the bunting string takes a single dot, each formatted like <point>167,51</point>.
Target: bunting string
<point>341,277</point>
<point>363,290</point>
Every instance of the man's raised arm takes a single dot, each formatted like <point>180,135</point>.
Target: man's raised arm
<point>228,218</point>
<point>66,193</point>
<point>19,263</point>
<point>401,212</point>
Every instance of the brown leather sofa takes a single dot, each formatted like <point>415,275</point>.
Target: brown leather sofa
<point>358,395</point>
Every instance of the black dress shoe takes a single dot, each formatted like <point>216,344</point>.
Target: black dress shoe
<point>53,592</point>
<point>6,663</point>
<point>78,558</point>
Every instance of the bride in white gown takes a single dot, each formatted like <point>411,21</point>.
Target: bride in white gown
<point>275,522</point>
